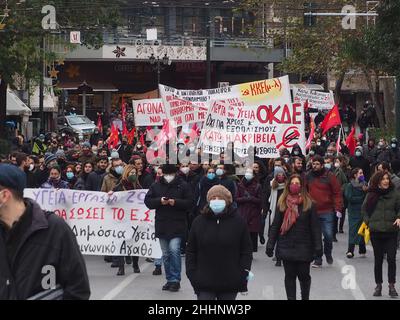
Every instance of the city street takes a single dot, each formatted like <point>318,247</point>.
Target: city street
<point>268,283</point>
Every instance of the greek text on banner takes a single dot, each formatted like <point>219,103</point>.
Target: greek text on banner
<point>117,225</point>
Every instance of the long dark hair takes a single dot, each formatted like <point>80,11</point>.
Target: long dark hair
<point>376,180</point>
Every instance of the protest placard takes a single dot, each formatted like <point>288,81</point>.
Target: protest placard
<point>267,127</point>
<point>316,99</point>
<point>117,225</point>
<point>148,112</point>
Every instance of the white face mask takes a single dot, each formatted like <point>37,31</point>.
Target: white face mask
<point>337,165</point>
<point>169,178</point>
<point>31,167</point>
<point>185,170</point>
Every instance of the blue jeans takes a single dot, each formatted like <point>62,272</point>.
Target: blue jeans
<point>327,224</point>
<point>171,255</point>
<point>158,262</point>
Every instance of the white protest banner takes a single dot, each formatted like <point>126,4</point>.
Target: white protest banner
<point>117,225</point>
<point>149,112</point>
<point>316,99</point>
<point>190,106</point>
<point>267,127</point>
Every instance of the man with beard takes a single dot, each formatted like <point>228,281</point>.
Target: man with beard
<point>42,174</point>
<point>86,154</point>
<point>326,192</point>
<point>95,178</point>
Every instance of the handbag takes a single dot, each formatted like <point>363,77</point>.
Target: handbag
<point>364,232</point>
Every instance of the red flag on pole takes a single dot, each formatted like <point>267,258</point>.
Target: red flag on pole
<point>312,131</point>
<point>167,133</point>
<point>99,123</point>
<point>142,139</point>
<point>131,135</point>
<point>125,131</point>
<point>332,119</point>
<point>351,142</point>
<point>114,137</point>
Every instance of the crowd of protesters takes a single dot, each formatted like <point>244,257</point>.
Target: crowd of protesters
<point>217,211</point>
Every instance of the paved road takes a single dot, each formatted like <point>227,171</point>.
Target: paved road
<point>327,282</point>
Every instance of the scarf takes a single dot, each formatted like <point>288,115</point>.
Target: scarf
<point>373,197</point>
<point>357,184</point>
<point>291,213</point>
<point>273,200</point>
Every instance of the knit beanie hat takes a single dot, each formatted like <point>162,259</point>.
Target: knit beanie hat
<point>279,170</point>
<point>48,157</point>
<point>220,192</point>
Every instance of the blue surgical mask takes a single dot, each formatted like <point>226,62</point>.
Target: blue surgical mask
<point>119,170</point>
<point>211,176</point>
<point>219,172</point>
<point>358,154</point>
<point>217,206</point>
<point>249,176</point>
<point>327,166</point>
<point>70,175</point>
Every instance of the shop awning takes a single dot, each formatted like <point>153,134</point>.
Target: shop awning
<point>96,86</point>
<point>15,106</point>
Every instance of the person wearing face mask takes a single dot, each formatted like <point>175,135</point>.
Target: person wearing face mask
<point>225,181</point>
<point>273,193</point>
<point>249,204</point>
<point>296,152</point>
<point>370,151</point>
<point>355,193</point>
<point>200,195</point>
<point>129,181</point>
<point>359,161</point>
<point>381,213</point>
<point>296,232</point>
<point>55,181</point>
<point>70,176</point>
<point>125,150</point>
<point>341,176</point>
<point>111,179</point>
<point>326,192</point>
<point>172,200</point>
<point>219,250</point>
<point>30,239</point>
<point>391,153</point>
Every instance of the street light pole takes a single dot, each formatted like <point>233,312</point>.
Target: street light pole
<point>158,64</point>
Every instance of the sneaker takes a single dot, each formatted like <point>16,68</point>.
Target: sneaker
<point>392,291</point>
<point>174,287</point>
<point>329,259</point>
<point>378,291</point>
<point>150,260</point>
<point>136,269</point>
<point>157,271</point>
<point>278,263</point>
<point>166,286</point>
<point>349,255</point>
<point>316,264</point>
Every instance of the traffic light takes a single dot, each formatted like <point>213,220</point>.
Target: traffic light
<point>309,8</point>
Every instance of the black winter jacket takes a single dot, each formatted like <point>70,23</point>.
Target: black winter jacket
<point>218,253</point>
<point>48,241</point>
<point>301,242</point>
<point>170,222</point>
<point>95,180</point>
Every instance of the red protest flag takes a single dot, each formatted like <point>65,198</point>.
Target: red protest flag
<point>312,131</point>
<point>351,142</point>
<point>99,123</point>
<point>125,131</point>
<point>142,139</point>
<point>113,140</point>
<point>167,133</point>
<point>131,135</point>
<point>331,120</point>
<point>306,106</point>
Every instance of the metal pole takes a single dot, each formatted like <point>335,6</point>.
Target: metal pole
<point>158,73</point>
<point>41,86</point>
<point>84,102</point>
<point>208,57</point>
<point>398,107</point>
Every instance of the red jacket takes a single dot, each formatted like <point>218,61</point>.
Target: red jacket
<point>326,192</point>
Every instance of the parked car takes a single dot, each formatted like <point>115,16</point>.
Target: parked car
<point>77,124</point>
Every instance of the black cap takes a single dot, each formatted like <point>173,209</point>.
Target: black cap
<point>12,177</point>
